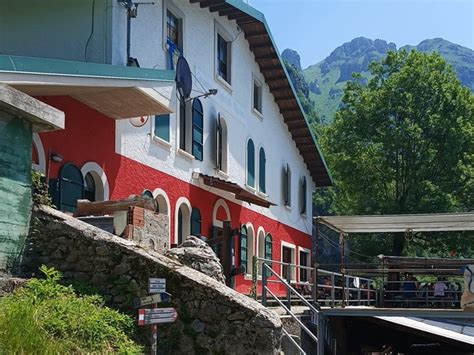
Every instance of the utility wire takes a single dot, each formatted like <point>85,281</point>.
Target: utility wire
<point>92,31</point>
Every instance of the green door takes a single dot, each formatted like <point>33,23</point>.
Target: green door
<point>71,187</point>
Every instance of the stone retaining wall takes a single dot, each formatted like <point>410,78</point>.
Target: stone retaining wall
<point>212,317</point>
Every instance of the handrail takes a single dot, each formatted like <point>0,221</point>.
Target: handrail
<point>293,341</point>
<point>287,285</point>
<point>292,315</point>
<point>284,263</point>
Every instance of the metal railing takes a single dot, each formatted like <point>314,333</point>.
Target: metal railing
<point>290,290</point>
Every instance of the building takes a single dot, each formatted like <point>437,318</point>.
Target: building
<point>246,154</point>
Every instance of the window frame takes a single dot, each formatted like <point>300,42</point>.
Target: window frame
<point>244,236</point>
<point>168,6</point>
<point>306,251</point>
<point>157,138</point>
<point>268,240</point>
<point>293,261</point>
<point>219,31</point>
<point>257,83</point>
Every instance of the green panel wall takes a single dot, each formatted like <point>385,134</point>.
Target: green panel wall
<point>15,187</point>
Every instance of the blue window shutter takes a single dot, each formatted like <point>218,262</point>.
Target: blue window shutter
<point>250,163</point>
<point>261,172</point>
<point>198,130</point>
<point>303,195</point>
<point>243,248</point>
<point>196,222</point>
<point>268,250</point>
<point>162,127</point>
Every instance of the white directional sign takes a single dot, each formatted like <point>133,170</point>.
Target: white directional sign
<point>156,285</point>
<point>156,315</point>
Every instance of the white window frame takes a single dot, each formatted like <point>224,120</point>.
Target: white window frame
<point>100,179</point>
<point>307,251</point>
<point>164,143</point>
<point>161,193</point>
<point>186,223</point>
<point>257,82</point>
<point>293,269</point>
<point>38,144</point>
<point>170,5</point>
<point>220,30</point>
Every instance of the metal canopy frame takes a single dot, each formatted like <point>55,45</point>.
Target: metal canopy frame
<point>408,223</point>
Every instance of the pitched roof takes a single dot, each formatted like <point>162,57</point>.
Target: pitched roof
<point>257,32</point>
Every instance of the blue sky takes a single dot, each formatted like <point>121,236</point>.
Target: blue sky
<point>315,27</point>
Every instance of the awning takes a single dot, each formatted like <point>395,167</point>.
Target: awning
<point>239,192</point>
<point>117,92</point>
<point>434,222</point>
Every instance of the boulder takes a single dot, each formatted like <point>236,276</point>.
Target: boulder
<point>198,255</point>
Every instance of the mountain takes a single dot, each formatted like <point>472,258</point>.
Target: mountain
<point>322,84</point>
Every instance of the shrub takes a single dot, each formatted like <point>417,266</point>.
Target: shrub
<point>46,317</point>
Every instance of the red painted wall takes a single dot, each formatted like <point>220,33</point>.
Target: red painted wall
<point>90,136</point>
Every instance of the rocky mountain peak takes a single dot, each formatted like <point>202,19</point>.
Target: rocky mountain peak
<point>292,57</point>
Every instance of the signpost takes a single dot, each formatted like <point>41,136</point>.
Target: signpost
<point>153,316</point>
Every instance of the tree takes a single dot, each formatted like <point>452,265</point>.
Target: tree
<point>404,142</point>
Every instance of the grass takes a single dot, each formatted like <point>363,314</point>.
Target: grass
<point>46,317</point>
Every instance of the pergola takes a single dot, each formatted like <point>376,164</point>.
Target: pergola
<point>408,223</point>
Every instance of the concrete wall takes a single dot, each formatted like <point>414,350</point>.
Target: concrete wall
<point>15,187</point>
<point>56,29</point>
<point>212,318</point>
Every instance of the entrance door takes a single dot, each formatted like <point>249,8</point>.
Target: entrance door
<point>71,187</point>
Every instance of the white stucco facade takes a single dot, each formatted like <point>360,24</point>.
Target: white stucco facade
<point>234,104</point>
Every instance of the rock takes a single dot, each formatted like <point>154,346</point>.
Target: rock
<point>102,250</point>
<point>197,254</point>
<point>198,326</point>
<point>121,268</point>
<point>292,57</point>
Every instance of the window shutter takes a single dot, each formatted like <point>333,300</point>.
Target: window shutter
<point>219,142</point>
<point>268,250</point>
<point>198,128</point>
<point>261,172</point>
<point>303,195</point>
<point>288,185</point>
<point>250,163</point>
<point>243,248</point>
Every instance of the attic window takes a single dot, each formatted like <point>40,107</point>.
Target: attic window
<point>257,96</point>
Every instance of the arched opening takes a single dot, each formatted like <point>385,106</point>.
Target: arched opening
<point>195,222</point>
<point>96,186</point>
<point>38,158</point>
<point>183,220</point>
<point>220,213</point>
<point>71,187</point>
<point>163,207</point>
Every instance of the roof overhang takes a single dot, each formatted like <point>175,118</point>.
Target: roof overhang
<point>117,92</point>
<point>239,192</point>
<point>43,117</point>
<point>434,222</point>
<point>257,32</point>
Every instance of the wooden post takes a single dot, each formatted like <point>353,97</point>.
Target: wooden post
<point>227,252</point>
<point>342,251</point>
<point>264,284</point>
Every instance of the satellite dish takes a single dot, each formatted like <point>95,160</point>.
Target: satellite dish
<point>184,81</point>
<point>139,121</point>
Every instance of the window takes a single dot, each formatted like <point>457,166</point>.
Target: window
<point>223,58</point>
<point>304,261</point>
<point>244,248</point>
<point>162,127</point>
<point>221,148</point>
<point>261,170</point>
<point>250,163</point>
<point>288,256</point>
<point>183,219</point>
<point>257,96</point>
<point>286,186</point>
<point>174,38</point>
<point>197,129</point>
<point>303,195</point>
<point>195,222</point>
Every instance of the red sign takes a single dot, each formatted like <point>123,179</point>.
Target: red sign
<point>156,315</point>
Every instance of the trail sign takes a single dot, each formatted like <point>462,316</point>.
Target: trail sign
<point>156,315</point>
<point>156,298</point>
<point>156,285</point>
